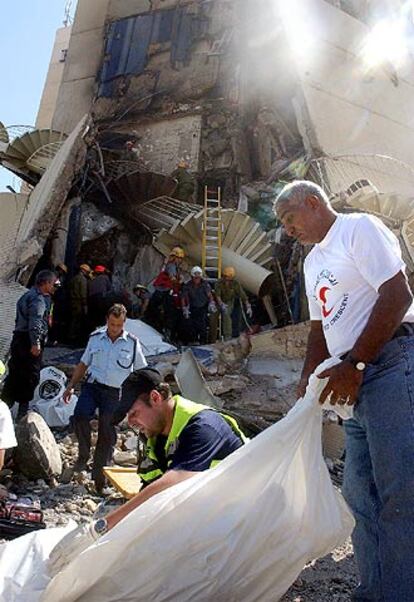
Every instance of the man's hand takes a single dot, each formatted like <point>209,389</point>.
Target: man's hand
<point>67,394</point>
<point>343,384</point>
<point>35,350</point>
<point>224,308</point>
<point>73,544</point>
<point>249,311</point>
<point>212,307</point>
<point>186,312</point>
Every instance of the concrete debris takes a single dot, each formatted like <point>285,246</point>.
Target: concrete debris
<point>125,458</point>
<point>37,454</point>
<point>95,223</point>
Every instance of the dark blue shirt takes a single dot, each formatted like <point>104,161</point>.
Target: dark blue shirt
<point>206,437</point>
<point>32,315</point>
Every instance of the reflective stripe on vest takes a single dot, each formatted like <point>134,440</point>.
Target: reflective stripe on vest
<point>149,470</point>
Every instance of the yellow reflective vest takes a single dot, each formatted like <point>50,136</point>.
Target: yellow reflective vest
<point>149,468</point>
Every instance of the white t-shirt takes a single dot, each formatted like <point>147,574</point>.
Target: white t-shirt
<point>7,436</point>
<point>343,274</point>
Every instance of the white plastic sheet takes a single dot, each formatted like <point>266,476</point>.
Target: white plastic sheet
<point>242,531</point>
<point>48,398</point>
<point>151,341</point>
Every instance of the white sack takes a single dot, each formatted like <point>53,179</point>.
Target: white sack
<point>242,531</point>
<point>151,341</point>
<point>48,398</point>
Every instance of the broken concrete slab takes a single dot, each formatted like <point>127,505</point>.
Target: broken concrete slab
<point>191,382</point>
<point>37,454</point>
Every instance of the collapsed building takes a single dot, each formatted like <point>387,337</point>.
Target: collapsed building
<point>248,95</point>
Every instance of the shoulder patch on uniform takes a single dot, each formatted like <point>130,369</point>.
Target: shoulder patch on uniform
<point>132,336</point>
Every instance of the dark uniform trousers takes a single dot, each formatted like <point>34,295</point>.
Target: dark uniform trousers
<point>24,373</point>
<point>105,399</point>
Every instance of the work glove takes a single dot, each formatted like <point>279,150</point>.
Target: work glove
<point>224,308</point>
<point>186,312</point>
<point>68,548</point>
<point>249,311</point>
<point>212,307</point>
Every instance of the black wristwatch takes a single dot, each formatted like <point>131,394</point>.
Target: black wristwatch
<point>358,365</point>
<point>101,526</point>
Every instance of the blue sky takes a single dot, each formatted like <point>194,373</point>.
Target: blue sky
<point>27,33</point>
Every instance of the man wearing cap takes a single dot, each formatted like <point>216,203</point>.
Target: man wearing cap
<point>29,338</point>
<point>78,295</point>
<point>99,289</point>
<point>197,300</point>
<point>140,306</point>
<point>185,181</point>
<point>166,297</point>
<point>229,292</point>
<point>183,438</point>
<point>110,356</point>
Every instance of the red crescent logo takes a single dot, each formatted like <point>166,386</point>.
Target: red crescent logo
<point>322,297</point>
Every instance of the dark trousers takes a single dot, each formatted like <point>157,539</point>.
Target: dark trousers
<point>199,323</point>
<point>24,373</point>
<point>106,400</point>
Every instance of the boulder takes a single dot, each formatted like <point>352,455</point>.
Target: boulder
<point>37,454</point>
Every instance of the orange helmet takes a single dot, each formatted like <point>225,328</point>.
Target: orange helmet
<point>177,252</point>
<point>229,272</point>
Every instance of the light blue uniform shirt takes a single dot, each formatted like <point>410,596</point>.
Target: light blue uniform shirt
<point>110,363</point>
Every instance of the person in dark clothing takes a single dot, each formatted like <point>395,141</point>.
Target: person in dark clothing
<point>182,439</point>
<point>197,301</point>
<point>99,290</point>
<point>185,182</point>
<point>60,306</point>
<point>78,295</point>
<point>29,337</point>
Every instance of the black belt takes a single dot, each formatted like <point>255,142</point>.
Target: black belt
<point>405,329</point>
<point>98,384</point>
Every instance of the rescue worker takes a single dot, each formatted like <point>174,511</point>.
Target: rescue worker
<point>140,306</point>
<point>228,292</point>
<point>183,438</point>
<point>164,308</point>
<point>197,300</point>
<point>78,295</point>
<point>110,356</point>
<point>185,181</point>
<point>99,290</point>
<point>29,338</point>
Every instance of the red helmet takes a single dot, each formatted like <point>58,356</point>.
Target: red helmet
<point>99,269</point>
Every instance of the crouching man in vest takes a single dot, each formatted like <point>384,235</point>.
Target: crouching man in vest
<point>183,438</point>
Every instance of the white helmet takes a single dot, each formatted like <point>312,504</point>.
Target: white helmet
<point>196,271</point>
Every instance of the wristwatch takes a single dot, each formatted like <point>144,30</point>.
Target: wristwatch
<point>358,365</point>
<point>101,526</point>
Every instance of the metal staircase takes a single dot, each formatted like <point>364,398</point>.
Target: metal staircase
<point>211,258</point>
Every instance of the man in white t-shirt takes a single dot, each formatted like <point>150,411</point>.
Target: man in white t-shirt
<point>361,311</point>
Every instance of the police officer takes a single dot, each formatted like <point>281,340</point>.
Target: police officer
<point>29,337</point>
<point>110,356</point>
<point>184,438</point>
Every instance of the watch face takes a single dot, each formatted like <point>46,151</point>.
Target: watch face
<point>101,525</point>
<point>360,366</point>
